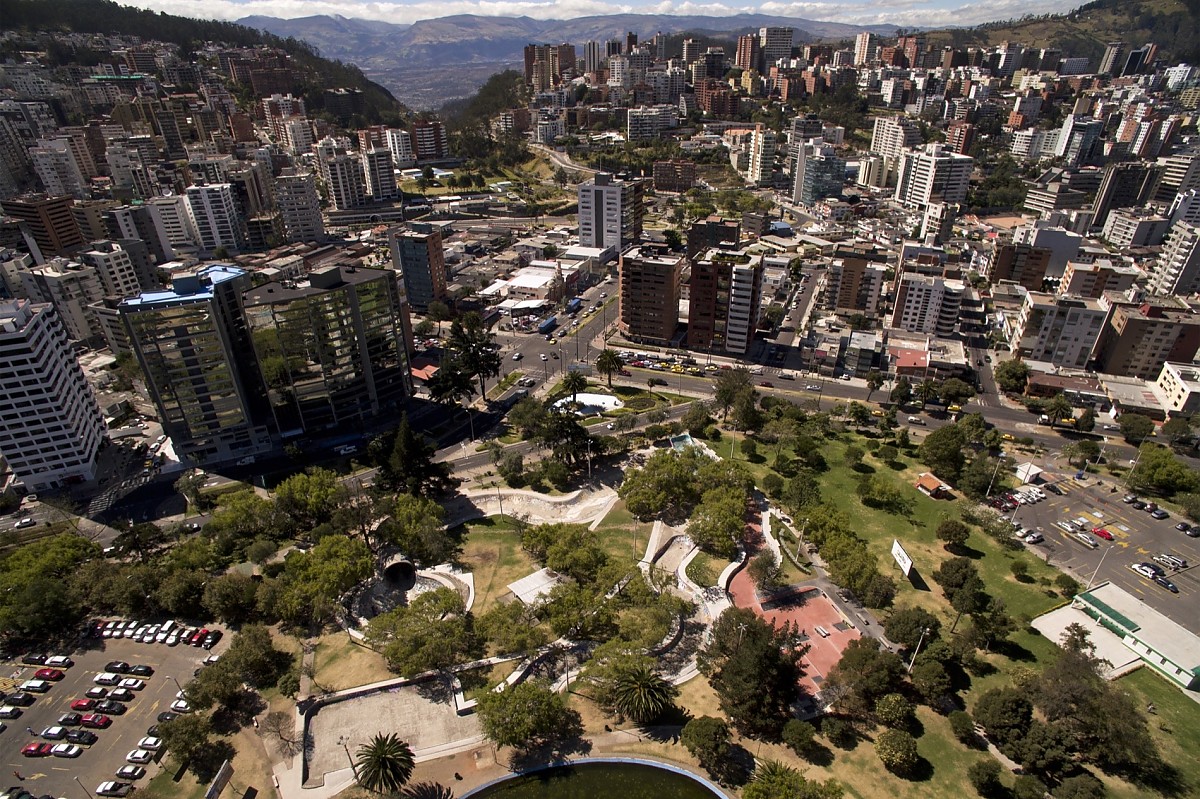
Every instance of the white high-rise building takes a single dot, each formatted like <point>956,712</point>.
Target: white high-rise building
<point>297,135</point>
<point>56,167</point>
<point>114,267</point>
<point>170,215</point>
<point>380,174</point>
<point>891,137</point>
<point>299,206</point>
<point>51,427</point>
<point>400,143</point>
<point>1178,268</point>
<point>774,44</point>
<point>927,304</point>
<point>934,175</point>
<point>610,212</point>
<point>1077,137</point>
<point>763,143</point>
<point>644,123</point>
<point>71,288</point>
<point>864,48</point>
<point>344,179</point>
<point>214,216</point>
<point>1058,330</point>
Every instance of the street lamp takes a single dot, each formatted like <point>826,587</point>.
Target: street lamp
<point>996,471</point>
<point>917,651</point>
<point>1098,565</point>
<point>85,790</point>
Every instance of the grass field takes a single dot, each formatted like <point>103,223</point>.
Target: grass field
<point>622,536</point>
<point>492,551</point>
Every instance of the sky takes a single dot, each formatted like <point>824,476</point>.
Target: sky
<point>860,12</point>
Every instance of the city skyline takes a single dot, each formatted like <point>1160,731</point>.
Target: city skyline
<point>924,13</point>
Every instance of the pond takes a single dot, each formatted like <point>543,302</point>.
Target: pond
<point>590,779</point>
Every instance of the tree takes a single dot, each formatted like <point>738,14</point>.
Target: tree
<point>309,498</point>
<point>1176,430</point>
<point>574,382</point>
<point>1086,422</point>
<point>942,451</point>
<point>930,679</point>
<point>313,580</point>
<point>1135,427</point>
<point>567,440</point>
<point>1044,749</point>
<point>527,416</point>
<point>955,573</point>
<point>1028,787</point>
<point>1011,375</point>
<point>955,391</point>
<point>894,711</point>
<point>512,628</point>
<point>1059,407</point>
<point>475,348</point>
<point>902,392</point>
<point>858,414</point>
<point>853,456</point>
<point>927,391</point>
<point>864,673</point>
<point>774,780</point>
<point>432,632</point>
<point>801,491</point>
<point>189,486</point>
<point>1081,786</point>
<point>1079,453</point>
<point>730,384</point>
<point>985,777</point>
<point>416,526</point>
<point>875,381</point>
<point>908,626</point>
<point>384,764</point>
<point>697,417</point>
<point>963,727</point>
<point>897,750</point>
<point>718,521</point>
<point>231,597</point>
<point>1005,713</point>
<point>407,463</point>
<point>764,570</point>
<point>753,667</point>
<point>608,363</point>
<point>526,715</point>
<point>708,739</point>
<point>640,693</point>
<point>746,414</point>
<point>954,533</point>
<point>187,737</point>
<point>798,736</point>
<point>1160,471</point>
<point>438,312</point>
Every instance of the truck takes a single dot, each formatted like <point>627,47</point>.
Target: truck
<point>548,324</point>
<point>574,305</point>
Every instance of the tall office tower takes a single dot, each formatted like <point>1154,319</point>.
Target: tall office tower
<point>934,175</point>
<point>1113,59</point>
<point>775,43</point>
<point>763,143</point>
<point>610,212</point>
<point>299,206</point>
<point>138,222</point>
<point>631,41</point>
<point>1021,263</point>
<point>660,46</point>
<point>341,334</point>
<point>691,50</point>
<point>715,231</point>
<point>748,55</point>
<point>959,137</point>
<point>400,144</point>
<point>132,178</point>
<point>593,57</point>
<point>380,174</point>
<point>297,135</point>
<point>51,427</point>
<point>344,181</point>
<point>620,76</point>
<point>214,216</point>
<point>70,287</point>
<point>938,223</point>
<point>170,215</point>
<point>927,304</point>
<point>197,356</point>
<point>1139,338</point>
<point>891,137</point>
<point>1124,185</point>
<point>1077,138</point>
<point>91,216</point>
<point>417,255</point>
<point>648,302</point>
<point>864,48</point>
<point>1179,173</point>
<point>1178,268</point>
<point>724,294</point>
<point>1058,330</point>
<point>854,285</point>
<point>430,138</point>
<point>818,173</point>
<point>50,228</point>
<point>56,167</point>
<point>115,268</point>
<point>804,128</point>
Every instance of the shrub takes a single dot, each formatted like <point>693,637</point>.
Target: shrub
<point>963,726</point>
<point>772,484</point>
<point>839,732</point>
<point>798,735</point>
<point>985,776</point>
<point>1067,584</point>
<point>1027,787</point>
<point>894,711</point>
<point>898,751</point>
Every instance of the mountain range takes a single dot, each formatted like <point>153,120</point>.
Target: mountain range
<point>434,60</point>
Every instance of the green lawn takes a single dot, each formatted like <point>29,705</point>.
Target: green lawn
<point>622,536</point>
<point>492,552</point>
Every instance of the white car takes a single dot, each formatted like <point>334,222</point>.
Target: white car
<point>132,684</point>
<point>131,772</point>
<point>150,743</point>
<point>106,678</point>
<point>66,750</point>
<point>545,357</point>
<point>112,788</point>
<point>1087,540</point>
<point>59,662</point>
<point>139,756</point>
<point>54,733</point>
<point>1144,570</point>
<point>181,706</point>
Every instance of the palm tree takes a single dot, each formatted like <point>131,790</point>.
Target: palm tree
<point>608,364</point>
<point>384,764</point>
<point>874,382</point>
<point>1058,407</point>
<point>574,382</point>
<point>927,391</point>
<point>427,790</point>
<point>641,694</point>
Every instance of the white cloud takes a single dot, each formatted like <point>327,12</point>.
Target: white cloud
<point>900,12</point>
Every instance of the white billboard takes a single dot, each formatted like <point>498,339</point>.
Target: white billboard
<point>902,558</point>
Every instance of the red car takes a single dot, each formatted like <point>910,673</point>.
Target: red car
<point>198,638</point>
<point>37,750</point>
<point>48,674</point>
<point>83,704</point>
<point>95,720</point>
<point>1105,534</point>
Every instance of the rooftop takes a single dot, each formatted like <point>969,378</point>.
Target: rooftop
<point>187,287</point>
<point>1150,626</point>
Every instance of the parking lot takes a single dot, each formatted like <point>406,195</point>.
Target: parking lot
<point>99,762</point>
<point>1137,537</point>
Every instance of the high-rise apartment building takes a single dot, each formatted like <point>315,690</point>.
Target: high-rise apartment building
<point>299,206</point>
<point>170,215</point>
<point>340,335</point>
<point>115,267</point>
<point>1077,138</point>
<point>71,288</point>
<point>648,306</point>
<point>430,140</point>
<point>610,212</point>
<point>748,55</point>
<point>47,223</point>
<point>763,143</point>
<point>934,175</point>
<point>675,175</point>
<point>400,143</point>
<point>380,174</point>
<point>864,48</point>
<point>1124,185</point>
<point>51,427</point>
<point>818,173</point>
<point>198,359</point>
<point>1139,338</point>
<point>890,138</point>
<point>417,254</point>
<point>213,213</point>
<point>1113,59</point>
<point>1178,268</point>
<point>56,167</point>
<point>854,286</point>
<point>724,294</point>
<point>1097,278</point>
<point>1059,330</point>
<point>1021,263</point>
<point>344,179</point>
<point>927,304</point>
<point>775,43</point>
<point>959,137</point>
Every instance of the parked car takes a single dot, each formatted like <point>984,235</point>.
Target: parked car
<point>84,737</point>
<point>10,712</point>
<point>1034,538</point>
<point>139,756</point>
<point>1102,533</point>
<point>121,695</point>
<point>181,706</point>
<point>111,788</point>
<point>131,772</point>
<point>1160,514</point>
<point>54,675</point>
<point>111,708</point>
<point>66,750</point>
<point>96,693</point>
<point>213,637</point>
<point>35,686</point>
<point>20,699</point>
<point>150,743</point>
<point>83,705</point>
<point>60,662</point>
<point>69,719</point>
<point>132,684</point>
<point>106,678</point>
<point>1167,584</point>
<point>1144,569</point>
<point>36,750</point>
<point>54,733</point>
